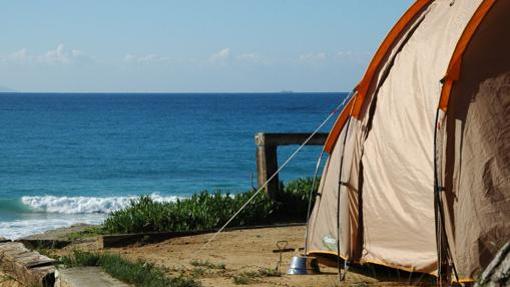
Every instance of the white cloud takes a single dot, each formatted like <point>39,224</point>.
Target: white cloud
<point>220,56</point>
<point>344,54</point>
<point>130,58</point>
<point>358,57</point>
<point>145,59</point>
<point>339,56</point>
<point>77,53</point>
<point>313,57</point>
<point>59,55</point>
<point>249,57</point>
<point>20,56</point>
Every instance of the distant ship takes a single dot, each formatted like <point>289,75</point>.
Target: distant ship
<point>286,92</point>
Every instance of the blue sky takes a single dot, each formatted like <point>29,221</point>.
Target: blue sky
<point>190,45</point>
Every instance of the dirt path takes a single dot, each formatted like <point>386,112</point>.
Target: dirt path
<point>240,251</point>
<point>236,257</point>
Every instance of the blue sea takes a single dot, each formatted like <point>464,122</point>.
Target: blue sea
<point>72,158</point>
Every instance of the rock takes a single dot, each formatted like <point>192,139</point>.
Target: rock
<point>28,267</point>
<point>498,272</point>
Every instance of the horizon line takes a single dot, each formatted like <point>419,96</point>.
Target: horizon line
<point>160,92</point>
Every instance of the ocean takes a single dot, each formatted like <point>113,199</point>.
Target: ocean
<point>72,158</point>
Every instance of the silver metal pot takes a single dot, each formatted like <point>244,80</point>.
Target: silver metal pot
<point>303,265</point>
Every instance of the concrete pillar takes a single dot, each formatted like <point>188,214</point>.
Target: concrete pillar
<point>267,165</point>
<point>267,159</point>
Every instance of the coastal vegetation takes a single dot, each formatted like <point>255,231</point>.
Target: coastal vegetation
<point>87,232</point>
<point>140,274</point>
<point>209,210</point>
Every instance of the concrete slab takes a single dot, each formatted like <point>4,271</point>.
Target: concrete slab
<point>86,277</point>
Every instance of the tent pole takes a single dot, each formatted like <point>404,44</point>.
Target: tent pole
<point>439,218</point>
<point>341,276</point>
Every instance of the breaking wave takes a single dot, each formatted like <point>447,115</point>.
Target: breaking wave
<point>83,204</point>
<point>36,214</point>
<point>15,229</point>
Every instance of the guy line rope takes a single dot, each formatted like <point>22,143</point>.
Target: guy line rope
<point>337,108</point>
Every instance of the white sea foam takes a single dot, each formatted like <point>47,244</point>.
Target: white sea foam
<point>23,227</point>
<point>83,204</point>
<point>53,212</point>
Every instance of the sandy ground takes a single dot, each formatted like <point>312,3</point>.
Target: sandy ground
<point>240,252</point>
<point>6,281</point>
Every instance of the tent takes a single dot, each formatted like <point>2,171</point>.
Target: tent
<point>418,170</point>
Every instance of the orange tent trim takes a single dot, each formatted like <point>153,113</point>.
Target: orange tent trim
<point>382,52</point>
<point>353,108</point>
<point>453,72</point>
<point>338,127</point>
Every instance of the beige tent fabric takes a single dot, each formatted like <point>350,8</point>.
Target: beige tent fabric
<point>351,244</point>
<point>480,197</point>
<point>382,71</point>
<point>323,220</point>
<point>353,181</point>
<point>397,192</point>
<point>386,204</point>
<point>349,216</point>
<point>477,170</point>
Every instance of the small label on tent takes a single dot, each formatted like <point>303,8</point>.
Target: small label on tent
<point>329,242</point>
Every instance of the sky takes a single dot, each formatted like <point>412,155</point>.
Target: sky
<point>190,45</point>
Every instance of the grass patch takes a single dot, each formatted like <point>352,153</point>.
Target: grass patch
<point>48,252</point>
<point>198,272</point>
<point>199,269</point>
<point>5,278</point>
<point>269,272</point>
<point>88,232</point>
<point>207,264</point>
<point>249,277</point>
<point>242,279</point>
<point>139,273</point>
<point>207,210</point>
<point>246,277</point>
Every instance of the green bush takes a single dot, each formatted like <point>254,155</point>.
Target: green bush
<point>138,273</point>
<point>206,210</point>
<point>201,211</point>
<point>293,198</point>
